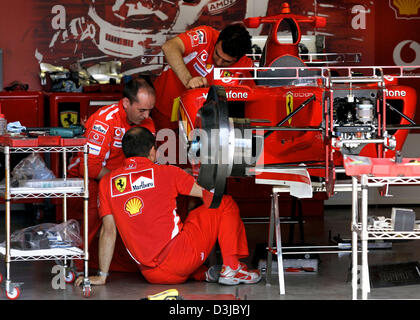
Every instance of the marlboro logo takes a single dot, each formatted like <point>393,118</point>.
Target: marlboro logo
<point>142,180</point>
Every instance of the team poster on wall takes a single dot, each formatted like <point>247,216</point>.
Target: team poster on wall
<point>128,31</point>
<point>63,32</point>
<point>133,31</point>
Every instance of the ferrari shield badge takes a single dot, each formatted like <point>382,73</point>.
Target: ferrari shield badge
<point>289,105</point>
<point>68,118</point>
<point>121,184</point>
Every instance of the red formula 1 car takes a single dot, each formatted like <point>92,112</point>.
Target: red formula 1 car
<point>290,123</point>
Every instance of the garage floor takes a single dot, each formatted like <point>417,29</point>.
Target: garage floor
<point>329,283</point>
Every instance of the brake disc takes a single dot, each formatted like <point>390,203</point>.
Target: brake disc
<point>220,146</point>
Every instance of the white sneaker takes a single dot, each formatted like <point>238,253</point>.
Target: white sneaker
<point>231,277</point>
<point>213,273</point>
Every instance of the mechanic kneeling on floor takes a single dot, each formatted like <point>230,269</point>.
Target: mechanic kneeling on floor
<point>139,199</point>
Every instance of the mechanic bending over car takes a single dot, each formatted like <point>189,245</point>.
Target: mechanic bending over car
<point>139,200</point>
<point>104,131</point>
<point>191,58</point>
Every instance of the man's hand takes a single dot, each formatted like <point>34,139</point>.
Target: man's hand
<point>95,280</point>
<point>197,82</point>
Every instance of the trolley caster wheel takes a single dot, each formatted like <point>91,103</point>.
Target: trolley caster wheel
<point>87,291</point>
<point>14,294</point>
<point>70,277</point>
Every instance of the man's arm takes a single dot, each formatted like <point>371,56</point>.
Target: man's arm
<point>103,172</point>
<point>196,191</point>
<point>173,50</point>
<point>107,239</point>
<point>200,192</point>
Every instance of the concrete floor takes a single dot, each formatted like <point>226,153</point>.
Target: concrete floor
<point>329,283</point>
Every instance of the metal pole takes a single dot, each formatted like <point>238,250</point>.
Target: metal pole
<point>270,244</point>
<point>280,128</point>
<point>291,114</point>
<point>65,201</point>
<point>365,285</point>
<point>400,113</point>
<point>354,237</point>
<point>65,178</point>
<point>278,243</point>
<point>7,215</point>
<point>85,209</point>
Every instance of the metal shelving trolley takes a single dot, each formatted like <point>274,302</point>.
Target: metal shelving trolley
<point>53,144</point>
<point>375,173</point>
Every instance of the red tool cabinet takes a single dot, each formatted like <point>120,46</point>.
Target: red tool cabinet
<point>26,107</point>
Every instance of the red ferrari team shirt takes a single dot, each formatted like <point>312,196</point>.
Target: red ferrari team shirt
<point>199,46</point>
<point>105,130</point>
<point>141,196</point>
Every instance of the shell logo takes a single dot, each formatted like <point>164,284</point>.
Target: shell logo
<point>133,206</point>
<point>406,9</point>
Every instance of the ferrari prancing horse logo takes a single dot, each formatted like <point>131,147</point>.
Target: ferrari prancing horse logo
<point>289,105</point>
<point>121,184</point>
<point>68,118</point>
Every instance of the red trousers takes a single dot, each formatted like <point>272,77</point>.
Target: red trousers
<point>190,248</point>
<point>121,260</point>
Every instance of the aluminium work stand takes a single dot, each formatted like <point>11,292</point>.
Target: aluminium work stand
<point>10,145</point>
<point>360,228</point>
<point>275,231</point>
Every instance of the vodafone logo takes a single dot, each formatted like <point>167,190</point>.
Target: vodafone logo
<point>203,56</point>
<point>395,93</point>
<point>119,133</point>
<point>400,49</point>
<point>96,138</point>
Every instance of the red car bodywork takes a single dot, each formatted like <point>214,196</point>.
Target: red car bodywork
<point>275,103</point>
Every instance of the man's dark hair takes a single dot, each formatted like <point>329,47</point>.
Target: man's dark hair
<point>137,142</point>
<point>236,40</point>
<point>132,87</point>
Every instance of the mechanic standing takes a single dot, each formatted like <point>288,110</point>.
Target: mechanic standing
<point>191,58</point>
<point>139,199</point>
<point>104,131</point>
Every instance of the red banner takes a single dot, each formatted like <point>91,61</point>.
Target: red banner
<point>64,32</point>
